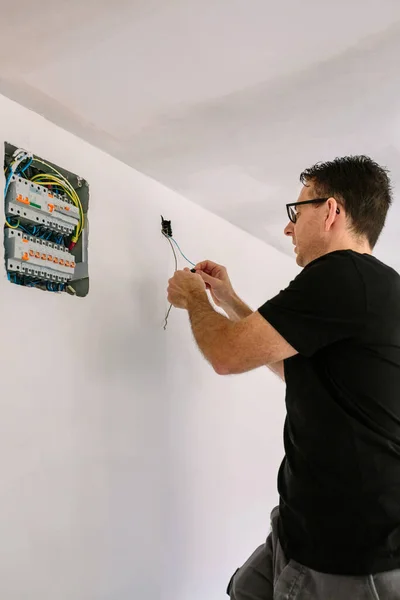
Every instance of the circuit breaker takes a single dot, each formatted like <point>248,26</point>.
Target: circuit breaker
<point>34,204</point>
<point>38,258</point>
<point>46,224</point>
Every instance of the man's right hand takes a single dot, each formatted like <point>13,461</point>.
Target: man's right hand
<point>217,281</point>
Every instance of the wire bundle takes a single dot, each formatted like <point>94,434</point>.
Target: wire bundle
<point>166,230</point>
<point>25,280</point>
<point>58,183</point>
<point>61,182</point>
<point>19,157</point>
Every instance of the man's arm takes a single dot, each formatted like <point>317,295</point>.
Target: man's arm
<point>238,310</point>
<point>235,347</point>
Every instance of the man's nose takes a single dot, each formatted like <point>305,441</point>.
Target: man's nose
<point>288,229</point>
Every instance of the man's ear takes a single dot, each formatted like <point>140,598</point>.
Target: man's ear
<point>333,211</point>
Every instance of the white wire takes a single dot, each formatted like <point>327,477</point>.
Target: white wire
<point>177,245</point>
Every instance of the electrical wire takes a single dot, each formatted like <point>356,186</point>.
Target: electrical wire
<point>173,250</point>
<point>8,180</point>
<point>19,156</point>
<point>177,245</point>
<point>26,166</point>
<point>46,180</point>
<point>21,227</point>
<point>63,183</point>
<point>176,268</point>
<point>24,229</point>
<point>12,226</point>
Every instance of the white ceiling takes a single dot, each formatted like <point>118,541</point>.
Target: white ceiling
<point>225,101</point>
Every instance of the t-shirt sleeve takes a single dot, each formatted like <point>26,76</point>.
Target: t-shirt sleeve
<point>325,304</point>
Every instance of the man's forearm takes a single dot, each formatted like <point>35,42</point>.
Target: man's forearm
<point>209,327</point>
<point>237,309</point>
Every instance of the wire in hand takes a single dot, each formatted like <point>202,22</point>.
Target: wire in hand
<point>166,230</point>
<point>176,268</point>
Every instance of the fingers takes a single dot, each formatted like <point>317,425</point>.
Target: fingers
<point>206,265</point>
<point>207,278</point>
<point>211,268</point>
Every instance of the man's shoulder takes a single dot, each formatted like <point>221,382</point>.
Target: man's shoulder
<point>332,266</point>
<point>349,259</point>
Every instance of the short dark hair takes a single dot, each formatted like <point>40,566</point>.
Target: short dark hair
<point>358,183</point>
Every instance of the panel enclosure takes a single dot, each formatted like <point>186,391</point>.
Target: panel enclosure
<point>46,224</point>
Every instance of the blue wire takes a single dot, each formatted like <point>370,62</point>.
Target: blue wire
<point>52,287</point>
<point>26,166</point>
<point>11,174</point>
<point>21,227</point>
<point>177,245</point>
<point>24,230</point>
<point>7,184</point>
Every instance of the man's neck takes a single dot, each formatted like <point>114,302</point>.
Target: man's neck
<point>350,244</point>
<point>359,246</point>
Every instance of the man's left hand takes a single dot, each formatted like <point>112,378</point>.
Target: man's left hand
<point>182,285</point>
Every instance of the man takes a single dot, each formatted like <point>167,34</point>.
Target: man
<point>334,335</point>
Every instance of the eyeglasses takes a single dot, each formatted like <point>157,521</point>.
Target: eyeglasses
<point>292,210</point>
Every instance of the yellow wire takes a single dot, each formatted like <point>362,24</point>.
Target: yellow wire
<point>60,181</point>
<point>55,171</point>
<point>6,222</point>
<point>51,180</point>
<point>47,179</point>
<point>74,199</point>
<point>71,193</point>
<point>12,226</point>
<point>66,185</point>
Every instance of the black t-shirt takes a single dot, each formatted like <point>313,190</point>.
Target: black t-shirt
<point>339,482</point>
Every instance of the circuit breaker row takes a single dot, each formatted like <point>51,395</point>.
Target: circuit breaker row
<point>34,257</point>
<point>35,204</point>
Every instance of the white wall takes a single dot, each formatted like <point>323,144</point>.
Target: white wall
<point>128,468</point>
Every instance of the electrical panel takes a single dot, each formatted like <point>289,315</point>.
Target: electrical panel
<point>46,226</point>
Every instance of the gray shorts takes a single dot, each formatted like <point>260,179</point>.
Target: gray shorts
<point>268,575</point>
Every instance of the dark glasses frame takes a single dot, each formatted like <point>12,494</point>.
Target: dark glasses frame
<point>292,215</point>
